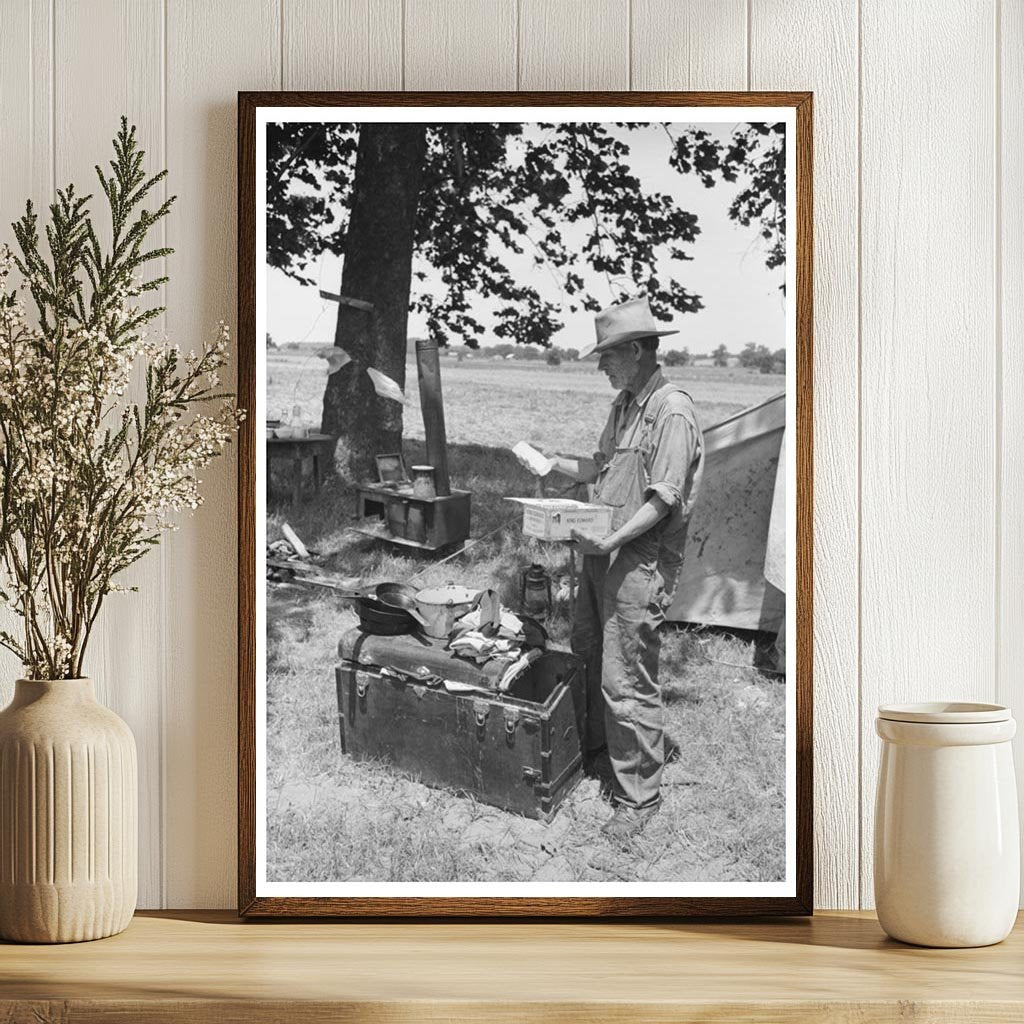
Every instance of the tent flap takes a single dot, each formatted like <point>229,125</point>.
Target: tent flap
<point>722,581</point>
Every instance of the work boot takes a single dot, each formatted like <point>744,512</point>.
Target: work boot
<point>627,821</point>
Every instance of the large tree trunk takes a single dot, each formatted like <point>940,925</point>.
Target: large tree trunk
<point>377,269</point>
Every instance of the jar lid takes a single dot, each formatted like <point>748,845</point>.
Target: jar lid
<point>446,595</point>
<point>945,713</point>
<point>450,594</point>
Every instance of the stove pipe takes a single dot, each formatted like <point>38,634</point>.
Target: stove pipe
<point>432,404</point>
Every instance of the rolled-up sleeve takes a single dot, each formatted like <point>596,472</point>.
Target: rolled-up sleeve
<point>672,453</point>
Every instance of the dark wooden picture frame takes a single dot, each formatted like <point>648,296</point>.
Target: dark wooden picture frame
<point>451,906</point>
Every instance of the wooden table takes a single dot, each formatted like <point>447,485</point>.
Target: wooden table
<point>295,451</point>
<point>209,967</point>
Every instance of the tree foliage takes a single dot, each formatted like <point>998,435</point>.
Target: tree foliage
<point>677,357</point>
<point>720,356</point>
<point>454,221</point>
<point>760,357</point>
<point>563,196</point>
<point>755,152</point>
<point>309,180</point>
<point>753,355</point>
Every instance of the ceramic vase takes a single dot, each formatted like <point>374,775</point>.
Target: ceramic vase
<point>68,815</point>
<point>947,847</point>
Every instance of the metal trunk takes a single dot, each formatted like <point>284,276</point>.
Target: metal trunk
<point>519,750</point>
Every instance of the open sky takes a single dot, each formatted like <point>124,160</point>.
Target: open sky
<point>741,296</point>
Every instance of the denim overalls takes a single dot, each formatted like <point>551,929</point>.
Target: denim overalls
<point>621,602</point>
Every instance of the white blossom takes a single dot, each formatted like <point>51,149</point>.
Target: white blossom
<point>96,456</point>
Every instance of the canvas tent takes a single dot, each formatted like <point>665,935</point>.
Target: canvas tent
<point>737,532</point>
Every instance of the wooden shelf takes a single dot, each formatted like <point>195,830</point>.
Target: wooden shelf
<point>209,966</point>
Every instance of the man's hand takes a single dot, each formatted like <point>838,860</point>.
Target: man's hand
<point>583,471</point>
<point>649,513</point>
<point>590,543</point>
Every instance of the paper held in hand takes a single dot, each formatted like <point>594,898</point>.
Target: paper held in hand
<point>531,459</point>
<point>556,518</point>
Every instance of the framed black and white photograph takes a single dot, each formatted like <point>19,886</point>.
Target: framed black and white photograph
<point>525,504</point>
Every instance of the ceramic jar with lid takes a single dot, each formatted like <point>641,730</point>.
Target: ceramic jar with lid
<point>947,847</point>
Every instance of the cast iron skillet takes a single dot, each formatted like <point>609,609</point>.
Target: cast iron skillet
<point>393,597</point>
<point>381,613</point>
<point>383,620</point>
<point>399,596</point>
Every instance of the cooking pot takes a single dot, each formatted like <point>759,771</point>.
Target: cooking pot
<point>441,607</point>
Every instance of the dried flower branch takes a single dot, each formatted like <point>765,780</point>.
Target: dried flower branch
<point>89,478</point>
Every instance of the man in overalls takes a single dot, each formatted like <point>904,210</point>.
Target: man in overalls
<point>648,470</point>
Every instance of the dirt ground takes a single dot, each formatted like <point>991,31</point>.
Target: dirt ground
<point>330,818</point>
<point>333,819</point>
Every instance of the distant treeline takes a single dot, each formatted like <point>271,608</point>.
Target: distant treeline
<point>752,357</point>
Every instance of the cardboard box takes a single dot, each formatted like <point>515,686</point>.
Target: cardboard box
<point>556,518</point>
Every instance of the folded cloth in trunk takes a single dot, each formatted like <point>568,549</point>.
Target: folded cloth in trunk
<point>412,656</point>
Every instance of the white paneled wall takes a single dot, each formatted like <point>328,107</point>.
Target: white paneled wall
<point>829,67</point>
<point>130,34</point>
<point>928,348</point>
<point>1008,204</point>
<point>919,324</point>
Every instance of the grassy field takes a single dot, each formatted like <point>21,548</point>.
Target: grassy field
<point>331,819</point>
<point>495,402</point>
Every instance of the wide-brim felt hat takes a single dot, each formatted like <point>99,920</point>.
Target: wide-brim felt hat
<point>628,321</point>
